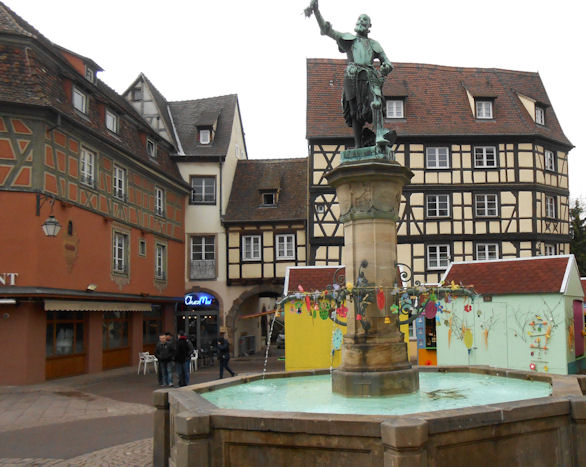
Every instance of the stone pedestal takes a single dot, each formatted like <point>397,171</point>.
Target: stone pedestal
<point>376,361</point>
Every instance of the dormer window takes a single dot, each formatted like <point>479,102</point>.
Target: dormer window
<point>80,101</point>
<point>484,109</point>
<point>269,198</point>
<point>395,108</point>
<point>539,115</point>
<point>205,135</point>
<point>90,74</point>
<point>151,148</point>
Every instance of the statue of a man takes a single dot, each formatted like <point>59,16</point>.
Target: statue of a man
<point>362,98</point>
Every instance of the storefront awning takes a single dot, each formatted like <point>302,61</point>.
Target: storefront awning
<point>256,315</point>
<point>79,305</point>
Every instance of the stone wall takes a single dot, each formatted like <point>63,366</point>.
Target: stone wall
<point>547,431</point>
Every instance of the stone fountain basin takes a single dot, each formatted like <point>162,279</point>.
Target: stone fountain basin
<point>189,430</point>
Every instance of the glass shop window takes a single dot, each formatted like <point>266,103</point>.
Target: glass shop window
<point>115,330</point>
<point>65,333</point>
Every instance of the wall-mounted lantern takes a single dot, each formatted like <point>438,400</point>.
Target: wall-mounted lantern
<point>51,226</point>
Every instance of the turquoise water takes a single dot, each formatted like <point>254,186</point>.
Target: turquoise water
<point>437,391</point>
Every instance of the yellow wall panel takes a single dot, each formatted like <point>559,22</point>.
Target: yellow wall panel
<point>466,161</point>
<point>494,227</point>
<point>492,177</point>
<point>469,248</point>
<point>267,238</point>
<point>445,177</point>
<point>404,253</point>
<point>526,175</point>
<point>300,237</point>
<point>525,147</point>
<point>458,248</point>
<point>467,198</point>
<point>417,161</point>
<point>466,148</point>
<point>479,177</point>
<point>468,226</point>
<point>233,239</point>
<point>456,161</point>
<point>480,227</point>
<point>457,213</point>
<point>419,264</point>
<point>507,198</point>
<point>234,256</point>
<point>457,228</point>
<point>268,254</point>
<point>467,177</point>
<point>418,249</point>
<point>268,270</point>
<point>525,159</point>
<point>418,177</point>
<point>525,225</point>
<point>431,228</point>
<point>508,249</point>
<point>526,204</point>
<point>416,147</point>
<point>234,271</point>
<point>445,227</point>
<point>251,270</point>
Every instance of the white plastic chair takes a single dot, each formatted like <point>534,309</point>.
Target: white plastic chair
<point>144,358</point>
<point>193,363</point>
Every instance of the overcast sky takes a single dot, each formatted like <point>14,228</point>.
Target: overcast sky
<point>257,49</point>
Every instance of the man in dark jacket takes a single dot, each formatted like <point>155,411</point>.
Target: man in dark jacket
<point>183,358</point>
<point>165,353</point>
<point>224,355</point>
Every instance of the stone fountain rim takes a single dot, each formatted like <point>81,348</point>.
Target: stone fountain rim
<point>564,389</point>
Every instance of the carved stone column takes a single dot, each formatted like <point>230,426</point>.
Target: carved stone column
<point>375,361</point>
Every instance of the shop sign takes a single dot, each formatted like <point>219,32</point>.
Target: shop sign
<point>8,278</point>
<point>199,299</point>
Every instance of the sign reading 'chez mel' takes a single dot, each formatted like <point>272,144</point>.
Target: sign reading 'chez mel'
<point>199,299</point>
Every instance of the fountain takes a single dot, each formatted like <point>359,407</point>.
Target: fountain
<point>374,413</point>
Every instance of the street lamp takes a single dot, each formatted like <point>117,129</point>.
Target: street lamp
<point>51,226</point>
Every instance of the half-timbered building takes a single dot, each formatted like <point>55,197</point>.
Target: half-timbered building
<point>489,158</point>
<point>75,155</point>
<point>266,228</point>
<point>208,138</point>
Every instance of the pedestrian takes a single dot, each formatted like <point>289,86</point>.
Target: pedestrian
<point>183,358</point>
<point>224,355</point>
<point>158,353</point>
<point>165,353</point>
<point>170,363</point>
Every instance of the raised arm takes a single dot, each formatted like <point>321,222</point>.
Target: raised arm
<point>325,27</point>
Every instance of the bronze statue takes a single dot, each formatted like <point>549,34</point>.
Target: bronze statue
<point>362,97</point>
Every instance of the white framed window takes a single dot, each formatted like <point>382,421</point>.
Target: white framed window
<point>160,261</point>
<point>205,136</point>
<point>483,109</point>
<point>80,100</point>
<point>119,253</point>
<point>550,207</point>
<point>269,198</point>
<point>395,108</point>
<point>485,157</point>
<point>119,182</point>
<point>486,205</point>
<point>203,248</point>
<point>438,256</point>
<point>111,121</point>
<point>437,158</point>
<point>159,201</point>
<point>251,248</point>
<point>549,249</point>
<point>437,205</point>
<point>539,115</point>
<point>485,251</point>
<point>203,190</point>
<point>285,245</point>
<point>151,148</point>
<point>87,167</point>
<point>549,160</point>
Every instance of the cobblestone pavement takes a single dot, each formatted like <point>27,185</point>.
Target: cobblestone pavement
<point>135,454</point>
<point>29,407</point>
<point>115,393</point>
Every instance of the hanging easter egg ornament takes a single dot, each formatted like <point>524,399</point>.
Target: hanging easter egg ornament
<point>430,310</point>
<point>394,309</point>
<point>337,338</point>
<point>358,317</point>
<point>387,320</point>
<point>468,338</point>
<point>308,302</point>
<point>380,299</point>
<point>532,366</point>
<point>467,308</point>
<point>342,311</point>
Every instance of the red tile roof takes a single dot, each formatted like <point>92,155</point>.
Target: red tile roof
<point>436,101</point>
<point>517,276</point>
<point>311,278</point>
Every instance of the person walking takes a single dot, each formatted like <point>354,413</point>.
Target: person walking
<point>224,355</point>
<point>183,359</point>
